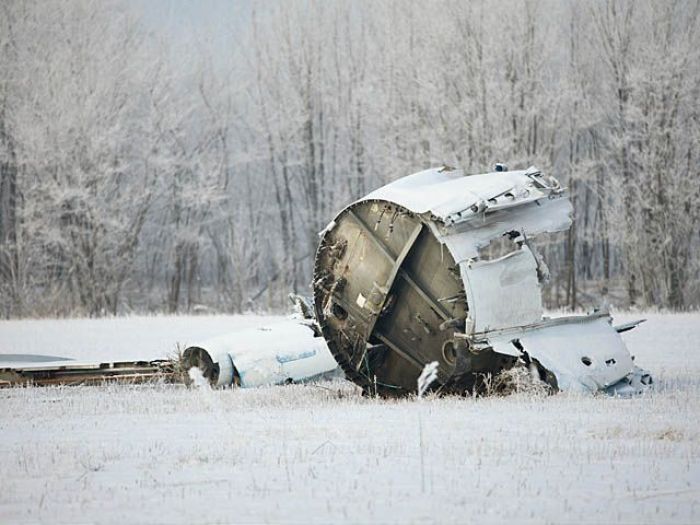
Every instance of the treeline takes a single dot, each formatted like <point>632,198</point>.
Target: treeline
<point>132,183</point>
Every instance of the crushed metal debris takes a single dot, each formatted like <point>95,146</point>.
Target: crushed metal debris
<point>400,281</point>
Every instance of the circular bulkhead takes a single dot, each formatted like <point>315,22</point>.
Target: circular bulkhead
<point>390,299</point>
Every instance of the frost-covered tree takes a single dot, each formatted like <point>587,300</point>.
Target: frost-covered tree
<point>134,177</point>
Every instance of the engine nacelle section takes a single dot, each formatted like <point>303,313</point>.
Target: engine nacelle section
<point>284,352</point>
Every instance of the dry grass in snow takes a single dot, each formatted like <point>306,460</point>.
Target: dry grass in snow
<point>321,453</point>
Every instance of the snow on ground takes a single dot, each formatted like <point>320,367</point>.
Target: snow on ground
<point>117,338</point>
<point>321,453</point>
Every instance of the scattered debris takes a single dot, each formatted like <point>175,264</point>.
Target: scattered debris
<point>287,352</point>
<point>68,372</point>
<point>405,300</point>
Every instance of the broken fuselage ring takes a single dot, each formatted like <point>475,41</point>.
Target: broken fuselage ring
<point>388,299</point>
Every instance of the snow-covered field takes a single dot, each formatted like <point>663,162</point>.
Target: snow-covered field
<point>321,453</point>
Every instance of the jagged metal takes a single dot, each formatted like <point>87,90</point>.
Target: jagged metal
<point>400,281</point>
<point>60,371</point>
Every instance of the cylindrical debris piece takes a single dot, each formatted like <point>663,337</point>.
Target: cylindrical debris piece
<point>284,352</point>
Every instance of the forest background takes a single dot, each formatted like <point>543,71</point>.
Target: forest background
<point>137,175</point>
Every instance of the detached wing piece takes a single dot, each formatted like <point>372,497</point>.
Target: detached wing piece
<point>582,354</point>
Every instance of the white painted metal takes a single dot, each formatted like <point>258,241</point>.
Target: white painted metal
<point>504,292</point>
<point>466,213</point>
<point>585,353</point>
<point>284,351</point>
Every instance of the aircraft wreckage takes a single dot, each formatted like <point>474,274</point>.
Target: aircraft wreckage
<point>400,281</point>
<point>405,277</point>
